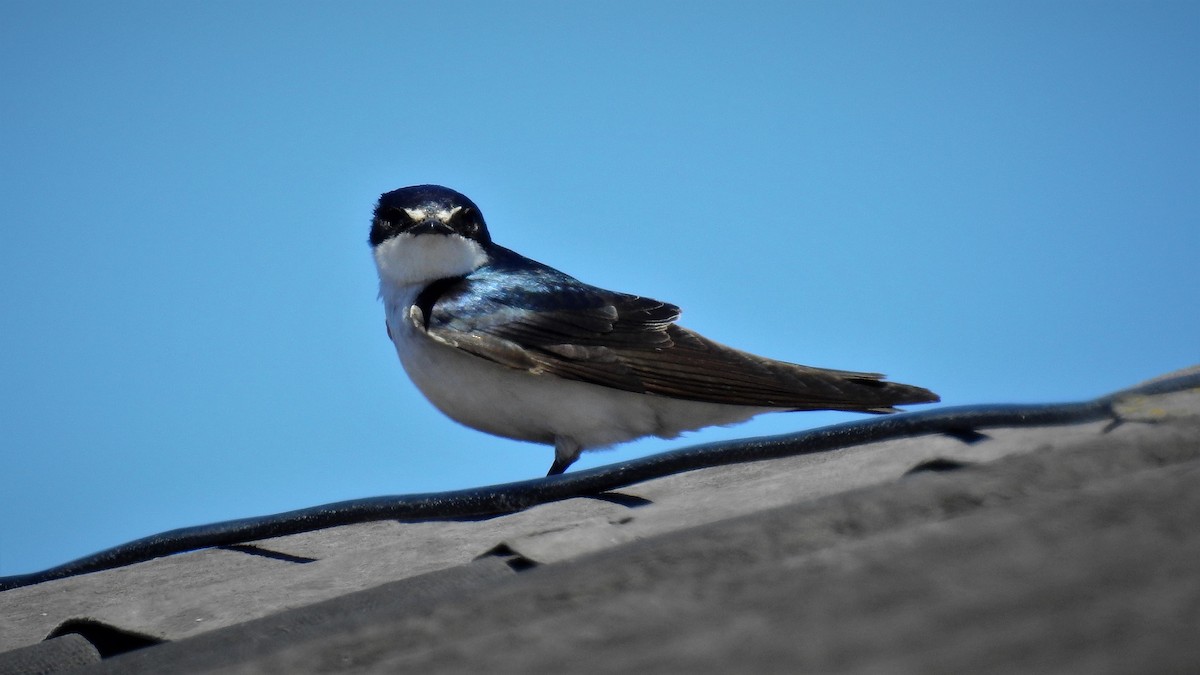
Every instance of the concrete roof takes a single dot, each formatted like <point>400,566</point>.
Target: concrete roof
<point>1055,548</point>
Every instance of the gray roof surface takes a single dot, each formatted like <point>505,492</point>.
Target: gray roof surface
<point>1059,548</point>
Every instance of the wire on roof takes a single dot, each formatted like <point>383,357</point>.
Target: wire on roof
<point>960,422</point>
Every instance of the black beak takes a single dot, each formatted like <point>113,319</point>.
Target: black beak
<point>430,227</point>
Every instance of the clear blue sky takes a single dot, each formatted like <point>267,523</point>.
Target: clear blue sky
<point>999,201</point>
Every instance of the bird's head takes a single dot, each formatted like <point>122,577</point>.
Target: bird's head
<point>427,232</point>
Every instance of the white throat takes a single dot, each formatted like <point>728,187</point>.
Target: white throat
<point>406,259</point>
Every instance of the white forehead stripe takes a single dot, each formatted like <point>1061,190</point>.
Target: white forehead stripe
<point>443,215</point>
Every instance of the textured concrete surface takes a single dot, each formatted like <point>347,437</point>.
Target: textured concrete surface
<point>188,594</point>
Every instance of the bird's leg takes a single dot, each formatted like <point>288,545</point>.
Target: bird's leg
<point>566,451</point>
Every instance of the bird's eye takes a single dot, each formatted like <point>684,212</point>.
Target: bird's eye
<point>465,218</point>
<point>400,218</point>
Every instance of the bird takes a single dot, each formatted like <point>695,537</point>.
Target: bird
<point>509,346</point>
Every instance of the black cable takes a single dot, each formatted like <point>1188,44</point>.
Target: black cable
<point>496,500</point>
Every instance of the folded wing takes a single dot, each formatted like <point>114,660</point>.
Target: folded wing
<point>534,318</point>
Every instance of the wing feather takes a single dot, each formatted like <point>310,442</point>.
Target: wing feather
<point>524,315</point>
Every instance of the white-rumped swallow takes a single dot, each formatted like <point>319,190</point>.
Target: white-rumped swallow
<point>509,346</point>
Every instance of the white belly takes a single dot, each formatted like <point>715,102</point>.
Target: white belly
<point>539,408</point>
